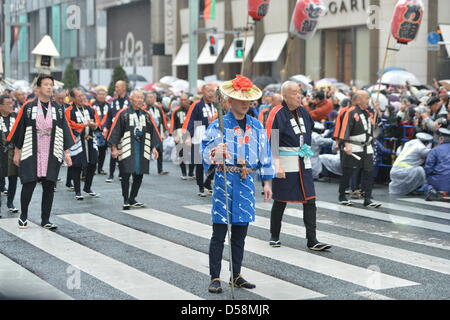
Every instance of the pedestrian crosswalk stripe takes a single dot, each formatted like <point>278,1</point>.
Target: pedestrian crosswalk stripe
<point>267,286</point>
<point>415,210</point>
<point>18,283</point>
<point>116,274</point>
<point>428,203</point>
<point>412,239</point>
<point>384,216</point>
<point>316,263</point>
<point>378,250</point>
<point>373,295</point>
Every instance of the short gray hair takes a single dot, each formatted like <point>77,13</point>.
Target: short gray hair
<point>286,85</point>
<point>136,91</point>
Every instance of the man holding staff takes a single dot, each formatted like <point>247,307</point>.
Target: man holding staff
<point>236,144</point>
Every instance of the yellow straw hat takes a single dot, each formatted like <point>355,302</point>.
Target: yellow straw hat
<point>241,88</point>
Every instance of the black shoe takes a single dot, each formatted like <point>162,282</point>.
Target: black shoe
<point>12,209</point>
<point>202,193</point>
<point>23,224</point>
<point>49,226</point>
<point>5,192</point>
<point>70,188</point>
<point>215,286</point>
<point>126,206</point>
<point>318,246</point>
<point>110,179</point>
<point>239,282</point>
<point>344,201</point>
<point>370,204</point>
<point>102,173</point>
<point>275,242</point>
<point>163,173</point>
<point>79,197</point>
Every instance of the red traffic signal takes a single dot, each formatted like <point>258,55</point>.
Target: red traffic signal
<point>213,46</point>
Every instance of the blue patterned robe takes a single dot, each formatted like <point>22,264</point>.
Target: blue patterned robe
<point>255,148</point>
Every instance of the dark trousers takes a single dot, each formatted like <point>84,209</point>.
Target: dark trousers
<point>69,177</point>
<point>112,166</point>
<point>75,173</point>
<point>160,158</point>
<point>48,190</point>
<point>238,234</point>
<point>355,181</point>
<point>2,184</point>
<point>366,181</point>
<point>130,197</point>
<point>101,157</point>
<point>309,219</point>
<point>201,181</point>
<point>183,169</point>
<point>12,187</point>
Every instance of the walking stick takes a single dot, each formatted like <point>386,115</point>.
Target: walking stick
<point>222,129</point>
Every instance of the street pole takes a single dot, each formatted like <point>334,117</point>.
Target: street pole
<point>7,26</point>
<point>193,45</point>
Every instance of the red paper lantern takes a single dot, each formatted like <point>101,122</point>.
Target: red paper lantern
<point>305,18</point>
<point>406,20</point>
<point>257,9</point>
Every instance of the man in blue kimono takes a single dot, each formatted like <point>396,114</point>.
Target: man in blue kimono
<point>294,181</point>
<point>437,168</point>
<point>246,150</point>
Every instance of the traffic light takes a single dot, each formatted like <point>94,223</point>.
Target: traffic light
<point>213,46</point>
<point>239,47</point>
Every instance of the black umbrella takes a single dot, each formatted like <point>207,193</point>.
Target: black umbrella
<point>263,81</point>
<point>136,77</point>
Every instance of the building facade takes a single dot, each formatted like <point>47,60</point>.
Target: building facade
<point>96,35</point>
<point>349,45</point>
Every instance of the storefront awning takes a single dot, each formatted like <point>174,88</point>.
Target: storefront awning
<point>205,55</point>
<point>271,47</point>
<point>230,57</point>
<point>445,29</point>
<point>182,58</point>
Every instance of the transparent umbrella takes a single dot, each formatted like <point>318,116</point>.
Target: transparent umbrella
<point>399,78</point>
<point>300,78</point>
<point>168,80</point>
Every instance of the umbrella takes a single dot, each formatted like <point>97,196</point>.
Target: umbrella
<point>399,78</point>
<point>383,101</point>
<point>391,69</point>
<point>149,87</point>
<point>340,96</point>
<point>263,81</point>
<point>273,87</point>
<point>332,80</point>
<point>323,84</point>
<point>136,77</point>
<point>168,80</point>
<point>180,85</point>
<point>342,86</point>
<point>300,78</point>
<point>375,87</point>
